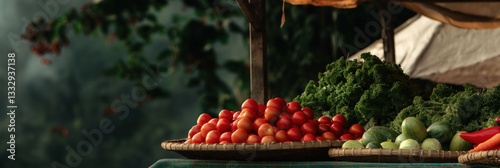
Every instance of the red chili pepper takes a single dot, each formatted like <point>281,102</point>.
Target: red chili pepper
<point>497,120</point>
<point>477,137</point>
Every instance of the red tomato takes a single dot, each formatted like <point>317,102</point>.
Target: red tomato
<point>249,113</point>
<point>246,124</point>
<point>212,137</point>
<point>337,129</point>
<point>308,128</point>
<point>271,114</point>
<point>253,139</point>
<point>294,134</point>
<point>262,108</point>
<point>281,136</point>
<point>250,103</point>
<point>197,138</point>
<point>277,102</point>
<point>308,138</point>
<point>207,127</point>
<point>239,136</point>
<point>226,136</point>
<point>308,112</point>
<point>299,118</point>
<point>267,139</point>
<point>195,129</point>
<point>226,114</point>
<point>234,125</point>
<point>257,123</point>
<point>325,120</point>
<point>346,137</point>
<point>224,125</point>
<point>339,118</point>
<point>329,136</point>
<point>224,142</point>
<point>322,128</point>
<point>265,129</point>
<point>284,122</point>
<point>319,138</point>
<point>356,130</point>
<point>214,121</point>
<point>236,115</point>
<point>292,107</point>
<point>203,118</point>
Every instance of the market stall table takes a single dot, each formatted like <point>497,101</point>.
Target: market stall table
<point>179,162</point>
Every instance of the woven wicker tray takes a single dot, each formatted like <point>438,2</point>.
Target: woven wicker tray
<point>491,157</point>
<point>287,151</point>
<point>395,155</point>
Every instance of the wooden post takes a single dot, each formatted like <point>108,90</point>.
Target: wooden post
<point>255,12</point>
<point>387,33</point>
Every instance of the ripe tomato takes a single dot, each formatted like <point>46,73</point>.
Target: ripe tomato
<point>281,136</point>
<point>356,130</point>
<point>325,120</point>
<point>226,136</point>
<point>207,127</point>
<point>212,137</point>
<point>294,134</point>
<point>319,138</point>
<point>322,128</point>
<point>265,129</point>
<point>299,118</point>
<point>346,137</point>
<point>308,138</point>
<point>337,129</point>
<point>253,139</point>
<point>284,122</point>
<point>267,139</point>
<point>203,118</point>
<point>195,129</point>
<point>234,125</point>
<point>250,103</point>
<point>308,112</point>
<point>246,124</point>
<point>239,136</point>
<point>271,114</point>
<point>197,138</point>
<point>257,123</point>
<point>262,108</point>
<point>339,118</point>
<point>224,142</point>
<point>329,136</point>
<point>308,128</point>
<point>249,113</point>
<point>214,121</point>
<point>224,125</point>
<point>277,102</point>
<point>236,115</point>
<point>292,107</point>
<point>226,114</point>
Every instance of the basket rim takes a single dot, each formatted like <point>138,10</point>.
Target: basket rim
<point>356,152</point>
<point>179,145</point>
<point>490,157</point>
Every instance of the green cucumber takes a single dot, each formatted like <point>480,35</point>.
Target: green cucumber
<point>441,131</point>
<point>413,128</point>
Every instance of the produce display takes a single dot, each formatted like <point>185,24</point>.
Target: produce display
<point>485,139</point>
<point>277,121</point>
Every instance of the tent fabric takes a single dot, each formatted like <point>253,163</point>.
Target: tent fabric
<point>472,15</point>
<point>443,53</point>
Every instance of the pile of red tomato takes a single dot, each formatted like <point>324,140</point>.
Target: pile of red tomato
<point>277,121</point>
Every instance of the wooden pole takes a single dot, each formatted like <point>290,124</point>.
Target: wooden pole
<point>255,12</point>
<point>387,33</point>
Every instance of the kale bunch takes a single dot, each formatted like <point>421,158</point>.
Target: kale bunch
<point>360,91</point>
<point>467,109</point>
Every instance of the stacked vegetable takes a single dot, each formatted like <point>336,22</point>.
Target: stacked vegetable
<point>377,91</point>
<point>485,139</point>
<point>415,135</point>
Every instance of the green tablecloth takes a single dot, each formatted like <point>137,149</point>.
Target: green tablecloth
<point>166,163</point>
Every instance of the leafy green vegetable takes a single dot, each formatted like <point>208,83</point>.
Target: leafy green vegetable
<point>360,90</point>
<point>465,110</point>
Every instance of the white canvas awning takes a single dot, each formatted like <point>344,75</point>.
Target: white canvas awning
<point>429,49</point>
